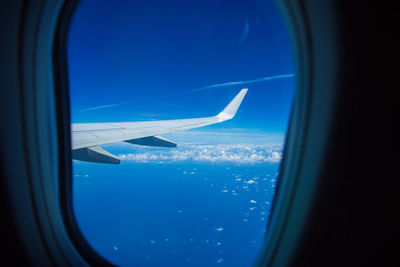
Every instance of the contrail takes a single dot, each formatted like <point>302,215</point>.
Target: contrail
<point>245,32</point>
<point>102,107</point>
<point>227,84</point>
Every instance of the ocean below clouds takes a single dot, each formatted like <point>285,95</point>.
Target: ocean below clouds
<point>194,205</point>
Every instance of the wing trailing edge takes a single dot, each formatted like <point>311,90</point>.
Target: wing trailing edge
<point>87,137</point>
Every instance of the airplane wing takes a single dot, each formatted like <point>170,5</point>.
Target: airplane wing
<point>87,137</point>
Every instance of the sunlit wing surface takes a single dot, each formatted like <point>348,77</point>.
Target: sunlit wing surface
<point>86,137</point>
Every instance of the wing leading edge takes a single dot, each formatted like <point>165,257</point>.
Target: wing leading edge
<point>86,137</point>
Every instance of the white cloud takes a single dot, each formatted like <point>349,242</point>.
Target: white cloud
<point>275,157</point>
<point>221,153</point>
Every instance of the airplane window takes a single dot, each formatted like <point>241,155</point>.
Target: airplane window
<point>179,111</point>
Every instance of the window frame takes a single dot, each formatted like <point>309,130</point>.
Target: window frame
<point>64,136</point>
<point>63,122</point>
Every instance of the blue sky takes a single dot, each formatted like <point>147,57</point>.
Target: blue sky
<point>155,60</point>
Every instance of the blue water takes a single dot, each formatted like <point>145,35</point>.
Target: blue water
<point>174,214</point>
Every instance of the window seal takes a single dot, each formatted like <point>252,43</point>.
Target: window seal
<point>61,84</point>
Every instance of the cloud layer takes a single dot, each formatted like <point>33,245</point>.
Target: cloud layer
<point>222,153</point>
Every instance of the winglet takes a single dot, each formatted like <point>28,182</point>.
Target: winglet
<point>230,110</point>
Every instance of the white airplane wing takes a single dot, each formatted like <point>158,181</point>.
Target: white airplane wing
<point>87,137</point>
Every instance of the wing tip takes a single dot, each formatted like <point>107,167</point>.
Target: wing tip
<point>230,110</point>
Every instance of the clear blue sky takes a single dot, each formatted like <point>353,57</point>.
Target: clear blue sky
<point>155,60</point>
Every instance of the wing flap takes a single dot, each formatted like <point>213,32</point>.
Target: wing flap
<point>152,141</point>
<point>95,154</point>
